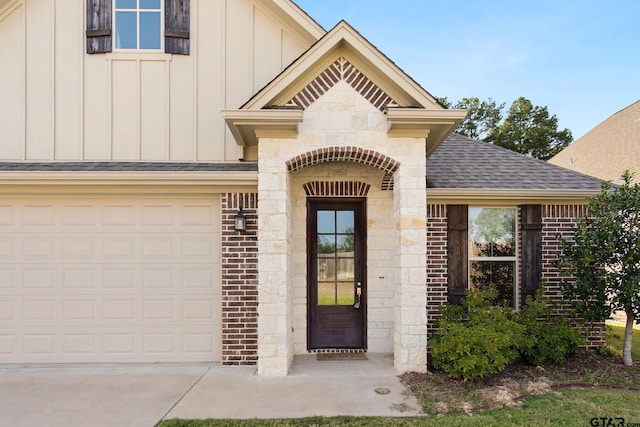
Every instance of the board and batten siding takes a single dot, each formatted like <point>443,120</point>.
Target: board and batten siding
<point>59,103</point>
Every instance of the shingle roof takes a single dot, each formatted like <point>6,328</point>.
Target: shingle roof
<point>128,167</point>
<point>465,163</point>
<point>607,150</point>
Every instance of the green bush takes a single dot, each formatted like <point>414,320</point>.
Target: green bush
<point>547,338</point>
<point>476,339</point>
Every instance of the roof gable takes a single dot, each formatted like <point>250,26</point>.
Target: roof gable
<point>343,55</point>
<point>343,42</point>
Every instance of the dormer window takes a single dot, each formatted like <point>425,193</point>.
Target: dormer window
<point>138,24</point>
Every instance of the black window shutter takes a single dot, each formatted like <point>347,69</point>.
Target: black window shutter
<point>531,231</point>
<point>457,256</point>
<point>176,27</point>
<point>98,26</point>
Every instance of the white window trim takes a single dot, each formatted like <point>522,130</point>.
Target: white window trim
<point>138,49</point>
<point>514,258</point>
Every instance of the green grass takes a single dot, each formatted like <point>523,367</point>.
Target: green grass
<point>568,407</point>
<point>615,339</point>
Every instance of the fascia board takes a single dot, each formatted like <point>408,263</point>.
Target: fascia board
<point>129,178</point>
<point>470,195</point>
<point>295,12</point>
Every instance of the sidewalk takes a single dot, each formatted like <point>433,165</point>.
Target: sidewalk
<point>142,395</point>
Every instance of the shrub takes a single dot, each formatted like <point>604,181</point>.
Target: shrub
<point>476,339</point>
<point>547,338</point>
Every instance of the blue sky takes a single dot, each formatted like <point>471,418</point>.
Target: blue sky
<point>580,58</point>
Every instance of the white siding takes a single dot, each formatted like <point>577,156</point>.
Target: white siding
<point>58,103</point>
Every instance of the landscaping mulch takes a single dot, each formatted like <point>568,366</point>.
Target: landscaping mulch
<point>441,395</point>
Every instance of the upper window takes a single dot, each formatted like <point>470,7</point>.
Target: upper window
<point>138,24</point>
<point>492,251</point>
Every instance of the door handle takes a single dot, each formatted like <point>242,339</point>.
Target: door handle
<point>358,294</point>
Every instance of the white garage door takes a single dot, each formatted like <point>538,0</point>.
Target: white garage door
<point>109,278</point>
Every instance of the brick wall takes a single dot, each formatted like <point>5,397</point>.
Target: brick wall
<point>555,218</point>
<point>436,262</point>
<point>559,219</point>
<point>239,281</point>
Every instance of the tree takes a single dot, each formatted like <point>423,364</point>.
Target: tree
<point>482,119</point>
<point>530,130</point>
<point>527,129</point>
<point>604,258</point>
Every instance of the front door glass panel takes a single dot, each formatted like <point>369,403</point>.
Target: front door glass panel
<point>335,257</point>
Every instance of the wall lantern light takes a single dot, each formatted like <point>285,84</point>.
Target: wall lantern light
<point>240,221</point>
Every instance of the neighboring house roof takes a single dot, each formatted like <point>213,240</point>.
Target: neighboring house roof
<point>607,150</point>
<point>464,163</point>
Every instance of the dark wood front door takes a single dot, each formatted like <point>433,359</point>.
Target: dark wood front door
<point>336,284</point>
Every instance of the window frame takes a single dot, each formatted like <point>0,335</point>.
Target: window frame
<point>512,258</point>
<point>138,49</point>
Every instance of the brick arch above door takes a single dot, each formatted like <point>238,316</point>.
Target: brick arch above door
<point>347,154</point>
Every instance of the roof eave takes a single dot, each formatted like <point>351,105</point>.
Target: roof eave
<point>470,195</point>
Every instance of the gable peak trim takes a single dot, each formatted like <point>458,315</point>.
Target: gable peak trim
<point>342,70</point>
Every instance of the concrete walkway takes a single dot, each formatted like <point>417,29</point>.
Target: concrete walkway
<point>142,395</point>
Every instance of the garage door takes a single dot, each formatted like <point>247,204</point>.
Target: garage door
<point>109,278</point>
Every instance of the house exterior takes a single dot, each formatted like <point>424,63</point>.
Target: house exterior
<point>134,134</point>
<point>607,150</point>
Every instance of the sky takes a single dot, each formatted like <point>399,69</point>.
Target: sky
<point>579,58</point>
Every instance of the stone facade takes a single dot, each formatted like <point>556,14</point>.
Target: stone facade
<point>339,121</point>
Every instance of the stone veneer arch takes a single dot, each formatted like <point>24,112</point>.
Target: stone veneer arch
<point>347,154</point>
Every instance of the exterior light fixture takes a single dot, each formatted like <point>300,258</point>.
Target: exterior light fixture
<point>240,221</point>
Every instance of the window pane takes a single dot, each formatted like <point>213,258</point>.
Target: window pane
<point>345,222</point>
<point>326,245</point>
<point>496,273</point>
<point>149,4</point>
<point>345,244</point>
<point>150,30</point>
<point>492,232</point>
<point>326,293</point>
<point>125,4</point>
<point>345,293</point>
<point>326,222</point>
<point>345,269</point>
<point>126,30</point>
<point>326,269</point>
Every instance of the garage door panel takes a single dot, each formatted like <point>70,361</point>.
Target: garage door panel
<point>110,279</point>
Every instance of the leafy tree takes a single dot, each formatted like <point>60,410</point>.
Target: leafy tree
<point>530,130</point>
<point>483,117</point>
<point>527,129</point>
<point>604,258</point>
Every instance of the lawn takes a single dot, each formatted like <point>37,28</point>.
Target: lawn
<point>563,407</point>
<point>615,338</point>
<point>589,389</point>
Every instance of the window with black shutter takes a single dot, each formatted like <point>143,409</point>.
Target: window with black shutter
<point>126,25</point>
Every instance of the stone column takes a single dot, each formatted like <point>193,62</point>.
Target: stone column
<point>274,290</point>
<point>410,320</point>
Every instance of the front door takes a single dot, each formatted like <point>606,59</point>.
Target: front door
<point>336,284</point>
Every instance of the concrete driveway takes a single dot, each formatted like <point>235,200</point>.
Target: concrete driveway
<point>143,395</point>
